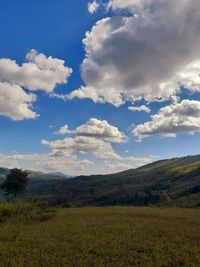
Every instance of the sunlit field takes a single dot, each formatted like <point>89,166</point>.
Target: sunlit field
<point>103,237</point>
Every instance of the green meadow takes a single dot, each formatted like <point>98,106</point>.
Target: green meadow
<point>99,237</point>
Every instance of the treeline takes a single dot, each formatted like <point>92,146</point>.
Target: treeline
<point>137,199</point>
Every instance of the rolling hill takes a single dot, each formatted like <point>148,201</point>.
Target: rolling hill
<point>167,182</point>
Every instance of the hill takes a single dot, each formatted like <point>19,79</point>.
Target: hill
<point>167,182</point>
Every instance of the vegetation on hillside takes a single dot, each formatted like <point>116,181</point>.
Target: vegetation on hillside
<point>173,182</point>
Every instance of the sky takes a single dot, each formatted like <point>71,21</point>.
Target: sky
<point>90,87</point>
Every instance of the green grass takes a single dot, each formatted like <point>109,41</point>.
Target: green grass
<point>104,237</point>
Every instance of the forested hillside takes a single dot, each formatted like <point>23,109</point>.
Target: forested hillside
<point>168,182</point>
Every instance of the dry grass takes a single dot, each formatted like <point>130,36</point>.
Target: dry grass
<point>104,237</point>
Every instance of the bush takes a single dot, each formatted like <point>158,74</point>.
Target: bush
<point>22,211</point>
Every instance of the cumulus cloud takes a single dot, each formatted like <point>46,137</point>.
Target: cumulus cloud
<point>38,73</point>
<point>15,102</point>
<point>92,140</point>
<point>93,7</point>
<point>173,119</point>
<point>97,147</point>
<point>140,108</point>
<point>64,130</point>
<point>100,129</point>
<point>150,54</point>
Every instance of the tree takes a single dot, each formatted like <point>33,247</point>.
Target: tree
<point>16,182</point>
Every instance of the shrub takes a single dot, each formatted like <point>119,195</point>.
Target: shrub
<point>22,211</point>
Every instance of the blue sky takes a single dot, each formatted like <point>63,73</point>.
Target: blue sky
<point>127,63</point>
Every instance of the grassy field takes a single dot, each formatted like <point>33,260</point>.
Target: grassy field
<point>104,237</point>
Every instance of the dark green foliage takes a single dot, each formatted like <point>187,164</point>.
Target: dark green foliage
<point>16,182</point>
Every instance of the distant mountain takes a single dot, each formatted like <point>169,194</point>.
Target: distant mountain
<point>47,176</point>
<point>167,182</point>
<point>55,174</point>
<point>59,174</point>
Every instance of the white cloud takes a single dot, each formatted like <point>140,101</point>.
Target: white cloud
<point>93,142</point>
<point>96,147</point>
<point>100,129</point>
<point>149,55</point>
<point>93,7</point>
<point>173,119</point>
<point>65,163</point>
<point>38,73</point>
<point>140,108</point>
<point>90,141</point>
<point>64,130</point>
<point>15,102</point>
